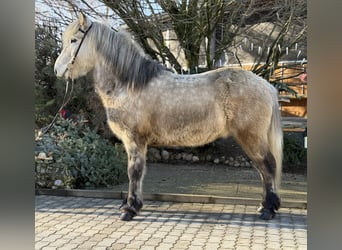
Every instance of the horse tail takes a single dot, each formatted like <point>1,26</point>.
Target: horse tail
<point>275,140</point>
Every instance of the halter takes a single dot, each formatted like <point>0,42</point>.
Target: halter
<point>65,99</point>
<point>79,46</point>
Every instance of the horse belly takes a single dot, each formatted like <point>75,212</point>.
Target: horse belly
<point>186,137</point>
<point>182,132</point>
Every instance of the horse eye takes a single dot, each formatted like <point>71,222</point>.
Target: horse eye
<point>73,40</point>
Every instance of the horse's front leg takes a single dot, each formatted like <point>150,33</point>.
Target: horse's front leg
<point>136,170</point>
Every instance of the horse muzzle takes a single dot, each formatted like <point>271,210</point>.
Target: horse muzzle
<point>63,72</point>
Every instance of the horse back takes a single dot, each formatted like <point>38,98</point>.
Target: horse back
<point>191,110</point>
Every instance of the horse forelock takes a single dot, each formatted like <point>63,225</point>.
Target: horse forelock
<point>131,67</point>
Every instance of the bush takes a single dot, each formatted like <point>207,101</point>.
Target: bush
<point>46,86</point>
<point>294,152</point>
<point>71,155</point>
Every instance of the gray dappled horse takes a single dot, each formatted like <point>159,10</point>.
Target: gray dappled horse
<point>146,104</point>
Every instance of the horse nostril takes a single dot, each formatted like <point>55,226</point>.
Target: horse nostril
<point>55,72</point>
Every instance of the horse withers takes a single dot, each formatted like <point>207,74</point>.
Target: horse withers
<point>146,104</point>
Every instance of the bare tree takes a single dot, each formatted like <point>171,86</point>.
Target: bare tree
<point>61,13</point>
<point>192,21</point>
<point>212,24</point>
<point>289,30</point>
<point>203,28</point>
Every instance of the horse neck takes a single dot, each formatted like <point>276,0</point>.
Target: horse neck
<point>108,87</point>
<point>104,77</point>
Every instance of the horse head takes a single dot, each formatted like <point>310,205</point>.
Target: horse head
<point>75,59</point>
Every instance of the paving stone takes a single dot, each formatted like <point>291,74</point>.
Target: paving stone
<point>227,244</point>
<point>124,239</point>
<point>49,248</point>
<point>288,247</point>
<point>45,233</point>
<point>147,248</point>
<point>273,245</point>
<point>300,234</point>
<point>302,247</point>
<point>70,246</point>
<point>187,237</point>
<point>243,247</point>
<point>160,234</point>
<point>191,247</point>
<point>242,242</point>
<point>164,246</point>
<point>53,237</point>
<point>143,236</point>
<point>198,243</point>
<point>176,232</point>
<point>257,247</point>
<point>71,235</point>
<point>288,243</point>
<point>98,248</point>
<point>98,237</point>
<point>287,236</point>
<point>273,237</point>
<point>87,245</point>
<point>117,234</point>
<point>170,239</point>
<point>211,246</point>
<point>72,223</point>
<point>135,244</point>
<point>183,244</point>
<point>79,240</point>
<point>258,240</point>
<point>132,232</point>
<point>165,228</point>
<point>214,239</point>
<point>301,241</point>
<point>90,232</point>
<point>59,243</point>
<point>245,235</point>
<point>41,244</point>
<point>108,242</point>
<point>153,242</point>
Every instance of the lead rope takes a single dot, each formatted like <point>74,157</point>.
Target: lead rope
<point>65,101</point>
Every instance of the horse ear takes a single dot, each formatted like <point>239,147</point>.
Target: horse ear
<point>83,21</point>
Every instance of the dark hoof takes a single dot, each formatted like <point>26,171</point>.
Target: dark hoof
<point>269,206</point>
<point>130,208</point>
<point>127,212</point>
<point>272,201</point>
<point>126,216</point>
<point>267,214</point>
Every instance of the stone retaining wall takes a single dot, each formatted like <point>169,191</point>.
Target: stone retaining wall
<point>162,155</point>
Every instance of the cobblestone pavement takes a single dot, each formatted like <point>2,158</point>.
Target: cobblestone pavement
<point>93,223</point>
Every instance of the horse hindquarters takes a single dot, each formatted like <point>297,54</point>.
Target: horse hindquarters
<point>264,148</point>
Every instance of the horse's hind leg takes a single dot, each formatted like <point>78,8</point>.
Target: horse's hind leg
<point>258,151</point>
<point>271,200</point>
<point>136,170</point>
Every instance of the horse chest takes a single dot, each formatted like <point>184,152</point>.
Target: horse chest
<point>118,118</point>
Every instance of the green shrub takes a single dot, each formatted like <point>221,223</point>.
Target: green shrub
<point>76,157</point>
<point>294,152</point>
